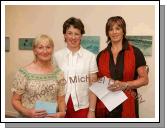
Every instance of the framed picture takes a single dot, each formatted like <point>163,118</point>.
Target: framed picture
<point>144,43</point>
<point>25,43</point>
<point>91,43</point>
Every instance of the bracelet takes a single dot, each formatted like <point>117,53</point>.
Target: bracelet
<point>91,109</point>
<point>126,86</point>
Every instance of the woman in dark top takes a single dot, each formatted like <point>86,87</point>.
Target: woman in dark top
<point>126,65</point>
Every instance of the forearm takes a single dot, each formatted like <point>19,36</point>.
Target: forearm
<point>18,106</point>
<point>62,107</point>
<point>92,101</point>
<point>141,80</point>
<point>92,96</point>
<point>61,104</point>
<point>137,83</point>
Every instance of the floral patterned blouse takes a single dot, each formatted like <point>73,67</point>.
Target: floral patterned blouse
<point>33,87</point>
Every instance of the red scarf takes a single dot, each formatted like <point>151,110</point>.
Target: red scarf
<point>128,110</point>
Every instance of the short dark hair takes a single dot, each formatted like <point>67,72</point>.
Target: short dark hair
<point>111,21</point>
<point>75,22</point>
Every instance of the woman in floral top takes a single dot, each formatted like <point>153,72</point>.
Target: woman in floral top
<point>39,81</point>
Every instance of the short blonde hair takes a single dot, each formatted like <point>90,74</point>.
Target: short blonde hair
<point>41,37</point>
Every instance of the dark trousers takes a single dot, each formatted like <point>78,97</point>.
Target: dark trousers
<point>116,113</point>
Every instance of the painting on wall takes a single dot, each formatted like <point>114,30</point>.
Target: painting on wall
<point>91,43</point>
<point>144,43</point>
<point>25,43</point>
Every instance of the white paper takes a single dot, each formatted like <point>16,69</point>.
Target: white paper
<point>100,90</point>
<point>110,99</point>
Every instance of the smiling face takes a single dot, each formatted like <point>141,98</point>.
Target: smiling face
<point>116,33</point>
<point>115,29</point>
<point>73,38</point>
<point>43,50</point>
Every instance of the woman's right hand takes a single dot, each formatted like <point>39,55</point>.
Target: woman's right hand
<point>36,113</point>
<point>117,86</point>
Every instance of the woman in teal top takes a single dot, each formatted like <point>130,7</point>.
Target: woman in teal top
<point>39,81</point>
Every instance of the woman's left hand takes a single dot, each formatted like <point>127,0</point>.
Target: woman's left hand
<point>117,86</point>
<point>91,114</point>
<point>56,115</point>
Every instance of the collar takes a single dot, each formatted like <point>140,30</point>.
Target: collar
<point>79,52</point>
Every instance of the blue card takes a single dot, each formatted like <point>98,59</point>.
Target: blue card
<point>50,107</point>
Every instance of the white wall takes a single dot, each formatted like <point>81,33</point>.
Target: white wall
<point>29,21</point>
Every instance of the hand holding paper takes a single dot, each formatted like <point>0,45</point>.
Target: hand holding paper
<point>117,86</point>
<point>110,99</point>
<point>48,106</point>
